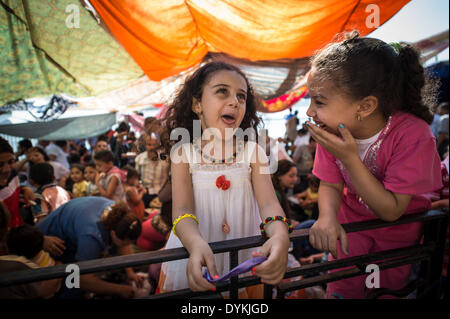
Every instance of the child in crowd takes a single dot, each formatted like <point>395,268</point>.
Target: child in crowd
<point>284,179</point>
<point>134,192</point>
<point>219,195</point>
<point>61,173</point>
<point>13,263</point>
<point>90,173</point>
<point>110,177</point>
<point>156,229</point>
<point>309,198</point>
<point>28,241</point>
<point>101,145</point>
<point>10,189</point>
<point>79,188</point>
<point>53,196</point>
<point>376,154</point>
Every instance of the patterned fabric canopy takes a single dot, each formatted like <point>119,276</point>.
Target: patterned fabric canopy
<point>57,47</point>
<point>40,55</point>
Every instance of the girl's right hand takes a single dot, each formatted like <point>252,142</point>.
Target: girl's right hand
<point>324,234</point>
<point>200,256</point>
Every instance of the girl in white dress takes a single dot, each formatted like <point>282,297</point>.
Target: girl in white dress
<point>221,183</point>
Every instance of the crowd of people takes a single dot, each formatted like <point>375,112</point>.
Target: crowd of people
<point>370,153</point>
<point>74,203</point>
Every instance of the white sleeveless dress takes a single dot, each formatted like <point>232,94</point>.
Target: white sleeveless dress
<point>236,206</point>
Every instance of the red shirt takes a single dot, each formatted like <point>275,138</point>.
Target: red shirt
<point>10,195</point>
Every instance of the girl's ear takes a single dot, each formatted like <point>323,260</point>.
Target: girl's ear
<point>196,106</point>
<point>367,106</point>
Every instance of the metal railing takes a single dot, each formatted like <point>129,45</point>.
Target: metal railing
<point>430,253</point>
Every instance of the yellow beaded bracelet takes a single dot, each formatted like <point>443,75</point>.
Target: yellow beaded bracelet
<point>175,222</point>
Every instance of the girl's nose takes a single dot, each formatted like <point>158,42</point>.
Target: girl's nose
<point>234,101</point>
<point>310,112</point>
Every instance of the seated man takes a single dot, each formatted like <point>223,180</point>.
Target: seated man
<point>153,171</point>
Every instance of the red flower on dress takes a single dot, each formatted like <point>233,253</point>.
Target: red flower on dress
<point>226,185</point>
<point>222,183</point>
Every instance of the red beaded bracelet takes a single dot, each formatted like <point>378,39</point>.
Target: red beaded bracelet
<point>272,218</point>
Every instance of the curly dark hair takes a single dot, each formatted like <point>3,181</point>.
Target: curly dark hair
<point>393,74</point>
<point>284,166</point>
<point>180,115</point>
<point>122,221</point>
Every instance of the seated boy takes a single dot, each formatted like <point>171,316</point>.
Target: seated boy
<point>28,241</point>
<point>109,178</point>
<point>49,195</point>
<point>12,263</point>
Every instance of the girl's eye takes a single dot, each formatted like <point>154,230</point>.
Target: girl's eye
<point>241,97</point>
<point>222,91</point>
<point>318,102</point>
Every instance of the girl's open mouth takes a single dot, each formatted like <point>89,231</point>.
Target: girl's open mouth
<point>318,124</point>
<point>228,119</point>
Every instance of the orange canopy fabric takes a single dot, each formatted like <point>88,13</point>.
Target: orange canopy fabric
<point>166,37</point>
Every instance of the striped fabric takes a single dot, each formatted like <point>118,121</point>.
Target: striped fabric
<point>43,259</point>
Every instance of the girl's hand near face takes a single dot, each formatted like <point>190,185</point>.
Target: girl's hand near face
<point>343,148</point>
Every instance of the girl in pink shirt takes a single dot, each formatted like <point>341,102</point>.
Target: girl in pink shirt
<point>376,152</point>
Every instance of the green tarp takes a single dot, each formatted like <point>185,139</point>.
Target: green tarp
<point>37,52</point>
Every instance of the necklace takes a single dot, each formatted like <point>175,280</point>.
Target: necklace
<point>212,159</point>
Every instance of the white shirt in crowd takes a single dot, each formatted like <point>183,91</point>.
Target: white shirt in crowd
<point>302,140</point>
<point>61,156</point>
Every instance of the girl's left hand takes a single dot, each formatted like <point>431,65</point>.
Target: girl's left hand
<point>342,148</point>
<point>273,269</point>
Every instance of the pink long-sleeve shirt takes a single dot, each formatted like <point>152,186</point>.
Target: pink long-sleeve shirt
<point>403,158</point>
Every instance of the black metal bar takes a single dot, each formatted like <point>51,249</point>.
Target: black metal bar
<point>221,287</point>
<point>347,273</point>
<point>234,283</point>
<point>217,247</point>
<point>268,291</point>
<point>358,260</point>
<point>405,291</point>
<point>431,271</point>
